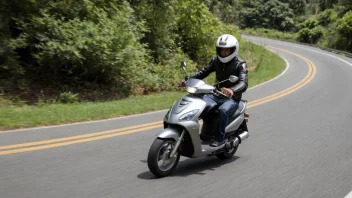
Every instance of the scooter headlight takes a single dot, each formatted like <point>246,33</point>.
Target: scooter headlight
<point>191,89</point>
<point>189,115</point>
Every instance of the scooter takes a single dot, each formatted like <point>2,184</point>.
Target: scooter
<point>183,134</point>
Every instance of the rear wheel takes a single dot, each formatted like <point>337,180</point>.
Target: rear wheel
<point>160,162</point>
<point>228,152</point>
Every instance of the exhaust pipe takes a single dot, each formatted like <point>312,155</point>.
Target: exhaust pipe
<point>239,139</point>
<point>244,136</point>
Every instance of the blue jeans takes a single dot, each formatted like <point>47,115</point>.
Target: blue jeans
<point>227,107</point>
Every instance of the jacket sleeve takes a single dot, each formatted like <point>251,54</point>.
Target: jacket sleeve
<point>203,73</point>
<point>242,83</point>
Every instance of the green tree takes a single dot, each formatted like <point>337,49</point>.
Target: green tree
<point>298,6</point>
<point>326,4</point>
<point>271,14</point>
<point>160,18</point>
<point>344,29</point>
<point>226,10</point>
<point>196,29</point>
<point>343,7</point>
<point>83,43</point>
<point>327,16</point>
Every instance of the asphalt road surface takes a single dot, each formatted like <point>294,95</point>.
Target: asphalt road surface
<point>300,145</point>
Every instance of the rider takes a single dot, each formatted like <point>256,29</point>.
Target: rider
<point>226,63</point>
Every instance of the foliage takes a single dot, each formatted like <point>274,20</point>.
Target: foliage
<point>160,21</point>
<point>269,33</point>
<point>227,11</point>
<point>344,32</point>
<point>327,16</point>
<point>89,46</point>
<point>271,14</point>
<point>129,47</point>
<point>10,69</point>
<point>72,51</point>
<point>311,36</point>
<point>298,6</point>
<point>68,97</point>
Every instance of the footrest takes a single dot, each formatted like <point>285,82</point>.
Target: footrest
<point>206,147</point>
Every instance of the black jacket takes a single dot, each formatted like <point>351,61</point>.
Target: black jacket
<point>236,66</point>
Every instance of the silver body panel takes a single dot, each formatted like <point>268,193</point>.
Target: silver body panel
<point>169,133</point>
<point>201,86</point>
<point>233,126</point>
<point>184,105</point>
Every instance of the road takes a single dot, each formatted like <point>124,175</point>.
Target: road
<point>299,145</point>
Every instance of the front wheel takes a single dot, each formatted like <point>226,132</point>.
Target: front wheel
<point>159,161</point>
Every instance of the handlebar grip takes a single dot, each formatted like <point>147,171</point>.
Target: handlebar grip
<point>220,93</point>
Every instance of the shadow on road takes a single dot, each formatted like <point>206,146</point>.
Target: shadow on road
<point>195,166</point>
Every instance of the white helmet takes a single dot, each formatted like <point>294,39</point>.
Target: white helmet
<point>227,41</point>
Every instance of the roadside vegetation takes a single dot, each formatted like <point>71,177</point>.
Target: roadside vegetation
<point>76,60</point>
<point>326,24</point>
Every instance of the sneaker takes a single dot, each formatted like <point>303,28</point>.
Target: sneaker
<point>216,143</point>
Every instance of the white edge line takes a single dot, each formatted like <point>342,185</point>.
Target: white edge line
<point>348,63</point>
<point>124,117</point>
<point>296,45</point>
<point>349,195</point>
<point>282,73</point>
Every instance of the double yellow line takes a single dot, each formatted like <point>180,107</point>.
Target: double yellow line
<point>32,146</point>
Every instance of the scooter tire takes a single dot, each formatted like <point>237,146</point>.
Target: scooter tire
<point>227,155</point>
<point>153,158</point>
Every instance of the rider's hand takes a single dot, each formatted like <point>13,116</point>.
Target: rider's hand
<point>227,92</point>
<point>181,83</point>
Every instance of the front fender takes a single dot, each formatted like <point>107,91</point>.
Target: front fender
<point>169,133</point>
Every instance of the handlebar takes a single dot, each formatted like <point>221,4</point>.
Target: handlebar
<point>215,91</point>
<point>220,93</point>
<point>176,85</point>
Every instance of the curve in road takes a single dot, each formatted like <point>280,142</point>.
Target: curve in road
<point>300,146</point>
<point>45,144</point>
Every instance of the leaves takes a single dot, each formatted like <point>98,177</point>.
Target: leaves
<point>271,14</point>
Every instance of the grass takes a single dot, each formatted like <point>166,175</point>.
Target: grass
<point>268,33</point>
<point>28,116</point>
<point>263,65</point>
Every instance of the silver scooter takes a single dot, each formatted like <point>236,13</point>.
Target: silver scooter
<point>183,134</point>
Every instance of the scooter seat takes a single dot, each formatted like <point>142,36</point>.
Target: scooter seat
<point>214,109</point>
<point>238,111</point>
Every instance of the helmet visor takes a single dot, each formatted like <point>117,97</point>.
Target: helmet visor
<point>226,52</point>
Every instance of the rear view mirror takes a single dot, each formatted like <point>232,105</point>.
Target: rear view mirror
<point>183,64</point>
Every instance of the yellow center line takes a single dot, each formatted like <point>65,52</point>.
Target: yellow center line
<point>77,136</point>
<point>31,146</point>
<point>77,141</point>
<point>309,77</point>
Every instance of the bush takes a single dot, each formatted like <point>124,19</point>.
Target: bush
<point>309,23</point>
<point>344,32</point>
<point>68,97</point>
<point>271,14</point>
<point>327,16</point>
<point>11,72</point>
<point>311,36</point>
<point>105,50</point>
<point>269,33</point>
